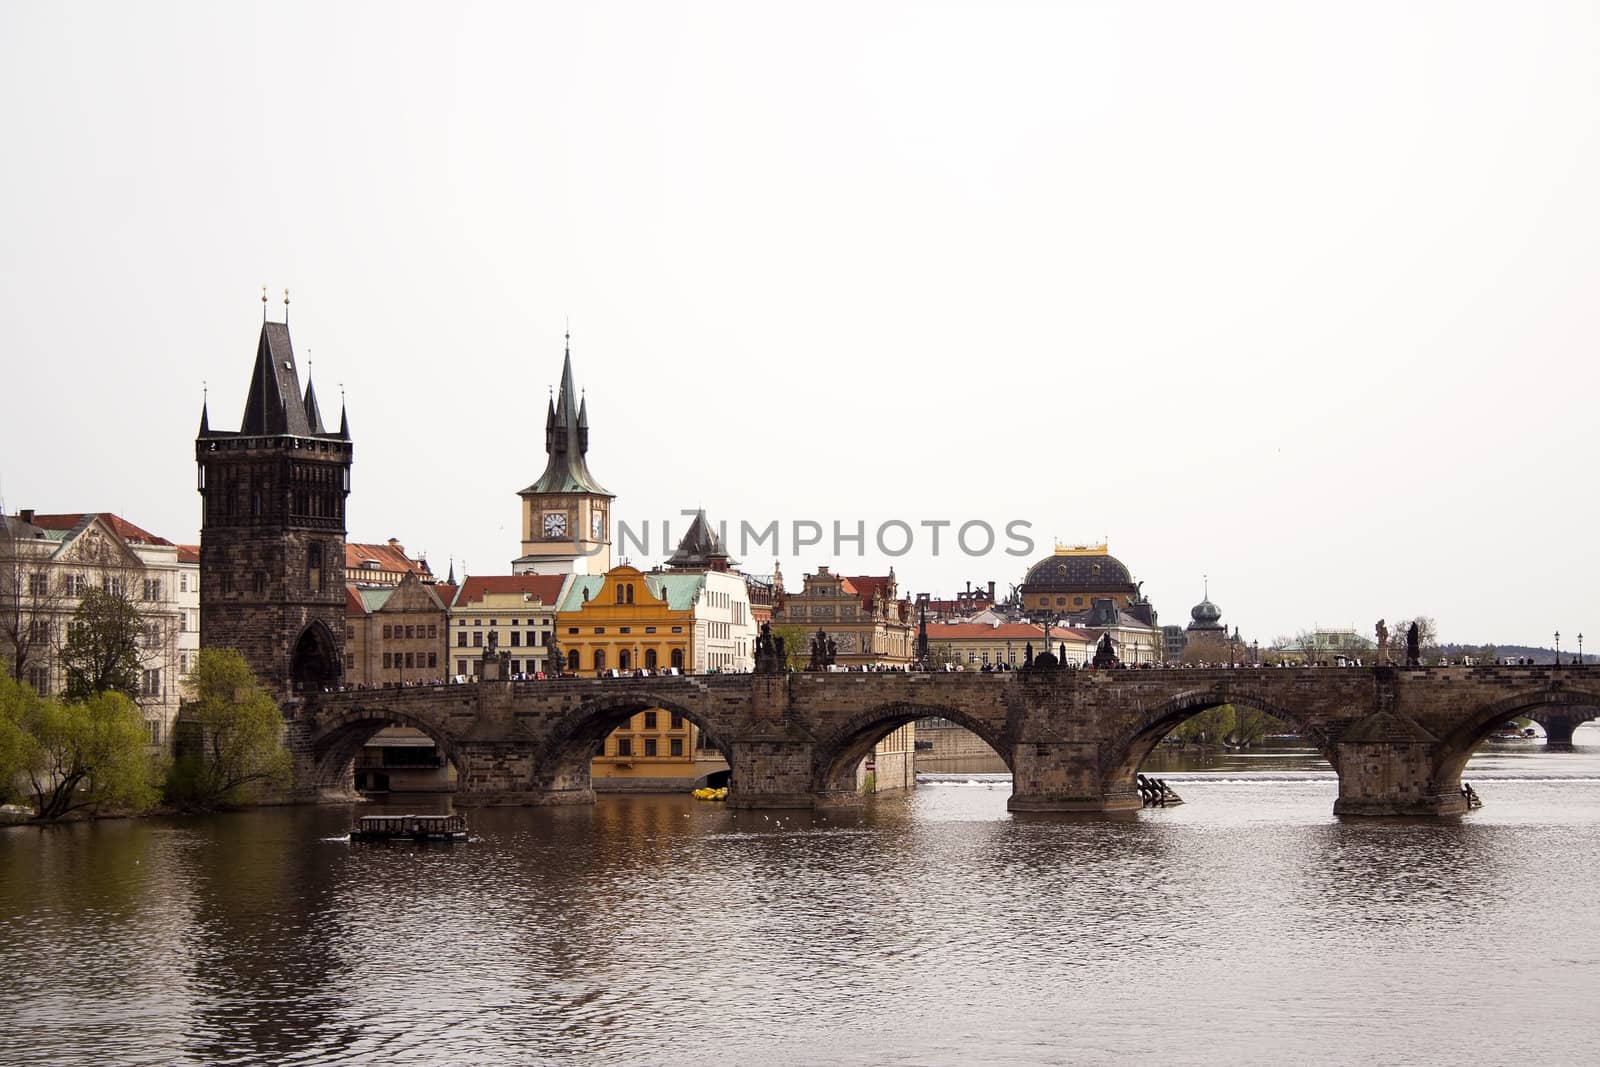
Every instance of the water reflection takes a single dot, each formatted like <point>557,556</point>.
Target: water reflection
<point>1248,923</point>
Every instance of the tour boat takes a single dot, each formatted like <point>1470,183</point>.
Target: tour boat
<point>410,827</point>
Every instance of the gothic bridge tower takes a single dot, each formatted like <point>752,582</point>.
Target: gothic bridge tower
<point>272,527</point>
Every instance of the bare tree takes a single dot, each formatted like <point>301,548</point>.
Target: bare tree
<point>32,606</point>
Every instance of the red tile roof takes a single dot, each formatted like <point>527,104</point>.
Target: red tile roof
<point>126,530</point>
<point>1013,631</point>
<point>388,557</point>
<point>865,585</point>
<point>188,553</point>
<point>544,587</point>
<point>352,602</point>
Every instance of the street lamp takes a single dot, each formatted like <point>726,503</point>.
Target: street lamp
<point>1558,648</point>
<point>1580,650</point>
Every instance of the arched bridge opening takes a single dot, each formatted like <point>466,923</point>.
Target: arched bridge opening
<point>628,739</point>
<point>853,758</point>
<point>1548,704</point>
<point>340,737</point>
<point>1251,712</point>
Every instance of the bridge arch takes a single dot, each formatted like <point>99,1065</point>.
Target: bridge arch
<point>1459,746</point>
<point>1122,760</point>
<point>561,762</point>
<point>343,734</point>
<point>837,754</point>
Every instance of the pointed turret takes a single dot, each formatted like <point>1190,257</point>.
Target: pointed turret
<point>205,419</point>
<point>313,415</point>
<point>566,442</point>
<point>274,404</point>
<point>701,549</point>
<point>344,422</point>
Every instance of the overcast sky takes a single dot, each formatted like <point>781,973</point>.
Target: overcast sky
<point>1303,297</point>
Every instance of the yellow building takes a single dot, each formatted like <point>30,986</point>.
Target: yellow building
<point>627,620</point>
<point>869,622</point>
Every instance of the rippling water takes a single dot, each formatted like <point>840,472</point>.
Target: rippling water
<point>1247,924</point>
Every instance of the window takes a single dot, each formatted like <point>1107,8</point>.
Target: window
<point>477,639</point>
<point>599,659</point>
<point>386,661</point>
<point>625,629</point>
<point>650,658</point>
<point>572,660</point>
<point>260,580</point>
<point>433,629</point>
<point>183,582</point>
<point>624,660</point>
<point>461,639</point>
<point>151,685</point>
<point>516,666</point>
<point>677,721</point>
<point>649,720</point>
<point>411,632</point>
<point>461,666</point>
<point>433,659</point>
<point>677,746</point>
<point>313,566</point>
<point>387,631</point>
<point>152,588</point>
<point>649,629</point>
<point>677,658</point>
<point>516,637</point>
<point>152,731</point>
<point>624,746</point>
<point>183,663</point>
<point>649,746</point>
<point>410,657</point>
<point>38,584</point>
<point>183,622</point>
<point>152,635</point>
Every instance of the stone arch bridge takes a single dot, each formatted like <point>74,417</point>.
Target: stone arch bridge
<point>1074,740</point>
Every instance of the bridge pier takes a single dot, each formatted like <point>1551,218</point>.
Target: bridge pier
<point>772,770</point>
<point>1387,767</point>
<point>1558,732</point>
<point>1064,776</point>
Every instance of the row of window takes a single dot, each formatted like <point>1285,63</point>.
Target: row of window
<point>392,660</point>
<point>624,629</point>
<point>624,746</point>
<point>513,622</point>
<point>624,660</point>
<point>410,632</point>
<point>477,638</point>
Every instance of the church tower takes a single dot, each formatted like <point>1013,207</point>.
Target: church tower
<point>566,515</point>
<point>272,526</point>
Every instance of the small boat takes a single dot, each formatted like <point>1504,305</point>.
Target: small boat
<point>410,828</point>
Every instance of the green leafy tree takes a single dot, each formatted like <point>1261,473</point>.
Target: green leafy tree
<point>102,650</point>
<point>242,731</point>
<point>84,755</point>
<point>796,645</point>
<point>16,746</point>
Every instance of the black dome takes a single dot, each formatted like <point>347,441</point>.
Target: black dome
<point>1079,573</point>
<point>1205,612</point>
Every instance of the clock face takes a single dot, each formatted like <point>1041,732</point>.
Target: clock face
<point>555,524</point>
<point>597,525</point>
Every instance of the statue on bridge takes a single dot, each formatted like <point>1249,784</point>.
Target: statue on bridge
<point>769,652</point>
<point>1383,643</point>
<point>1105,657</point>
<point>823,649</point>
<point>1413,646</point>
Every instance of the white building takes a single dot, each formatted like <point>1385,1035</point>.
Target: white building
<point>48,563</point>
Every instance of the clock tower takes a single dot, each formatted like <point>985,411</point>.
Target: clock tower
<point>566,514</point>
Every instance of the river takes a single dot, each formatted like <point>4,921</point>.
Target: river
<point>1246,925</point>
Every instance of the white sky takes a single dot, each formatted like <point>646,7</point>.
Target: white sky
<point>1299,296</point>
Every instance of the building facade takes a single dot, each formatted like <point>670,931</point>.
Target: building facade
<point>395,634</point>
<point>864,614</point>
<point>515,613</point>
<point>48,563</point>
<point>975,646</point>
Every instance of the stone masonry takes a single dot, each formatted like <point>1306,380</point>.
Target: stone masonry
<point>1074,740</point>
